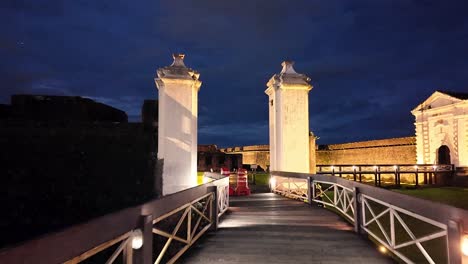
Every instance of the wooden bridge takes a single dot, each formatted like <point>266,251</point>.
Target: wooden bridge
<point>269,228</point>
<point>202,225</point>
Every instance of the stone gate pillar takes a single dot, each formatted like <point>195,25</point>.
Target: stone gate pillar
<point>289,120</point>
<point>177,132</point>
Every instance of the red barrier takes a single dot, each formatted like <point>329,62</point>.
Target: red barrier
<point>242,183</point>
<point>232,180</point>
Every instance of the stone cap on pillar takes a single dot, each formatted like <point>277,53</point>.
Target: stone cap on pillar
<point>288,78</point>
<point>177,71</point>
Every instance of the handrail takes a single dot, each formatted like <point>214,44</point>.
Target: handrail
<point>429,171</point>
<point>79,239</point>
<point>354,204</point>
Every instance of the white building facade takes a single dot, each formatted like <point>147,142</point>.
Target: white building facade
<point>288,96</point>
<point>442,129</point>
<point>177,132</point>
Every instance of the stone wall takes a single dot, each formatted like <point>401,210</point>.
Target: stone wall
<point>255,154</point>
<point>210,157</point>
<point>384,151</point>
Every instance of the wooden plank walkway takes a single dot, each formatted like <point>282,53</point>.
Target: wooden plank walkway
<point>268,228</point>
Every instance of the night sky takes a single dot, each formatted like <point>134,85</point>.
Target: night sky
<point>371,62</point>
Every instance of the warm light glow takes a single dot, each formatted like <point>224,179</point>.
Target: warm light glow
<point>273,182</point>
<point>137,239</point>
<point>375,167</point>
<point>415,167</point>
<point>434,167</point>
<point>206,180</point>
<point>332,167</point>
<point>464,245</point>
<point>382,249</point>
<point>395,167</point>
<point>354,167</point>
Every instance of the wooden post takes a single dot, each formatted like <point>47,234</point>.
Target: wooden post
<point>357,211</point>
<point>425,177</point>
<point>396,177</point>
<point>375,177</point>
<point>339,169</point>
<point>454,233</point>
<point>144,255</point>
<point>309,190</point>
<point>214,208</point>
<point>354,173</point>
<point>360,174</point>
<point>416,174</point>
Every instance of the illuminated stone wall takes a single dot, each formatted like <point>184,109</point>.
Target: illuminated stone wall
<point>385,151</point>
<point>256,154</point>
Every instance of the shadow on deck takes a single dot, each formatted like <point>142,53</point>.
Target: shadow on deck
<point>268,228</point>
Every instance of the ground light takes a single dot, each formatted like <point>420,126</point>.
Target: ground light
<point>382,249</point>
<point>137,239</point>
<point>464,245</point>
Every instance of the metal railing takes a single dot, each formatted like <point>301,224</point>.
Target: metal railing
<point>128,234</point>
<point>413,229</point>
<point>416,172</point>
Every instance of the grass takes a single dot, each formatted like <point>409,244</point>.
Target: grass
<point>200,177</point>
<point>453,196</point>
<point>261,178</point>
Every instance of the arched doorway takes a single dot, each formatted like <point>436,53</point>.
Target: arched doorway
<point>443,155</point>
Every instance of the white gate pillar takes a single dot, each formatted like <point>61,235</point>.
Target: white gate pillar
<point>177,131</point>
<point>289,120</point>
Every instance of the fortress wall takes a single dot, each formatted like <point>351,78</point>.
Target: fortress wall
<point>385,151</point>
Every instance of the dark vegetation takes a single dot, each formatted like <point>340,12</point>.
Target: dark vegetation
<point>58,174</point>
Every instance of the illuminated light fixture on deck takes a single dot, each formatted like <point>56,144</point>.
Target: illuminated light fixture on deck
<point>434,167</point>
<point>395,167</point>
<point>382,249</point>
<point>137,239</point>
<point>464,245</point>
<point>354,167</point>
<point>415,167</point>
<point>332,167</point>
<point>375,167</point>
<point>273,181</point>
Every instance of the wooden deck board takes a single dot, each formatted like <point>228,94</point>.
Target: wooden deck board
<point>268,228</point>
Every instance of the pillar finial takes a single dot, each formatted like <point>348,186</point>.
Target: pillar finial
<point>288,67</point>
<point>178,59</point>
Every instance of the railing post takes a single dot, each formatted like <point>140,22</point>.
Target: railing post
<point>416,177</point>
<point>357,211</point>
<point>309,190</point>
<point>214,208</point>
<point>144,255</point>
<point>454,232</point>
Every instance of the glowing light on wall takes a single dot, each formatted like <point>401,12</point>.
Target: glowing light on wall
<point>464,245</point>
<point>415,167</point>
<point>382,249</point>
<point>273,182</point>
<point>137,239</point>
<point>375,167</point>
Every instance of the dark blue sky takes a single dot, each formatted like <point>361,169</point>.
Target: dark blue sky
<point>370,61</point>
